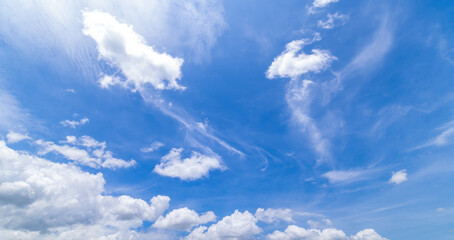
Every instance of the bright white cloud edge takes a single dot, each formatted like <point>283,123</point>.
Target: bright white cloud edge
<point>192,168</point>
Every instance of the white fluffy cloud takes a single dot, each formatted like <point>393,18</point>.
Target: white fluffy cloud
<point>43,199</point>
<point>293,232</point>
<point>234,227</point>
<point>74,123</point>
<point>322,3</point>
<point>292,64</point>
<point>121,46</point>
<point>14,137</point>
<point>183,219</point>
<point>192,168</point>
<point>332,20</point>
<point>94,155</point>
<point>273,215</point>
<point>399,177</point>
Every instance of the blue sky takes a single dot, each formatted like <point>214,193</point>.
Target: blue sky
<point>204,119</point>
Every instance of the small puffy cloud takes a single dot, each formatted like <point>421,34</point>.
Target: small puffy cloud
<point>333,20</point>
<point>74,123</point>
<point>347,176</point>
<point>322,3</point>
<point>122,47</point>
<point>294,232</point>
<point>273,215</point>
<point>74,202</point>
<point>292,64</point>
<point>153,147</point>
<point>94,155</point>
<point>14,137</point>
<point>398,177</point>
<point>192,168</point>
<point>183,219</point>
<point>236,226</point>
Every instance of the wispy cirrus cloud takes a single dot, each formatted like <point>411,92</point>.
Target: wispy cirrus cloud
<point>157,71</point>
<point>293,64</point>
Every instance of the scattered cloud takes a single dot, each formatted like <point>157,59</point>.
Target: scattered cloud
<point>441,210</point>
<point>346,176</point>
<point>322,3</point>
<point>318,4</point>
<point>236,226</point>
<point>374,51</point>
<point>399,177</point>
<point>183,219</point>
<point>324,223</point>
<point>73,123</point>
<point>444,138</point>
<point>13,137</point>
<point>94,155</point>
<point>73,201</point>
<point>70,90</point>
<point>271,215</point>
<point>122,47</point>
<point>333,20</point>
<point>292,64</point>
<point>192,168</point>
<point>299,99</point>
<point>294,232</point>
<point>153,147</point>
<point>16,117</point>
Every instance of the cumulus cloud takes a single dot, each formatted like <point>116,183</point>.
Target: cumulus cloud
<point>47,200</point>
<point>74,123</point>
<point>236,226</point>
<point>333,20</point>
<point>292,64</point>
<point>322,3</point>
<point>294,232</point>
<point>192,168</point>
<point>346,176</point>
<point>398,177</point>
<point>14,137</point>
<point>122,47</point>
<point>153,147</point>
<point>271,215</point>
<point>94,155</point>
<point>183,219</point>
